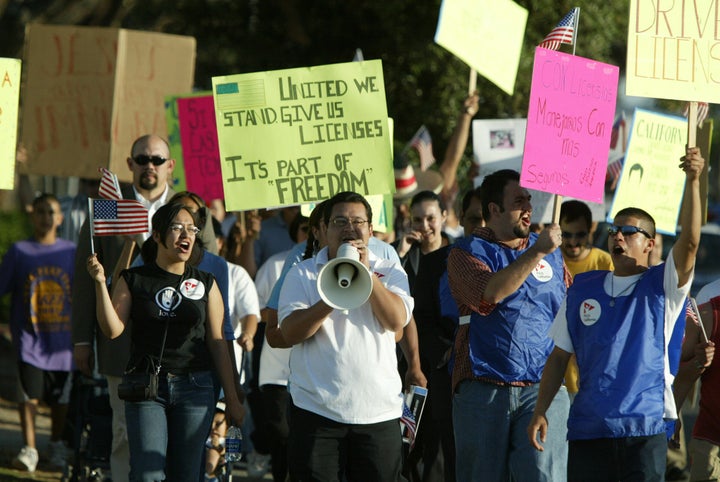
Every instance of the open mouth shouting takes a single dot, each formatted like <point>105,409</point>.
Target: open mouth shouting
<point>525,219</point>
<point>184,246</point>
<point>617,249</point>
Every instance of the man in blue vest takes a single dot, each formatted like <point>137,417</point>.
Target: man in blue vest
<point>508,285</point>
<point>619,324</point>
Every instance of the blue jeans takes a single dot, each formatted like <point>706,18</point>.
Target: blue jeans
<point>491,439</point>
<point>167,435</point>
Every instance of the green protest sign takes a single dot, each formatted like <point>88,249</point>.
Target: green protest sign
<point>302,135</point>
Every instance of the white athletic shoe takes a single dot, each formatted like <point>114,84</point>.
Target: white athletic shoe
<point>26,460</point>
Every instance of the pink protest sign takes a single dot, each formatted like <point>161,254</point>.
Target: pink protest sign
<point>570,116</point>
<point>201,156</point>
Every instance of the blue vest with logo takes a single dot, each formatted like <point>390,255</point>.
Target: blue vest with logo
<point>620,353</point>
<point>511,343</point>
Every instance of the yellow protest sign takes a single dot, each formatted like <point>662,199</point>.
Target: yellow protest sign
<point>674,50</point>
<point>302,135</point>
<point>485,34</point>
<point>651,179</point>
<point>9,97</point>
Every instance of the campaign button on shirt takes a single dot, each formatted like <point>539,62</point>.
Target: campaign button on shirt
<point>590,312</point>
<point>192,289</point>
<point>543,271</point>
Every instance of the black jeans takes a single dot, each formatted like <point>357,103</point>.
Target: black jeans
<point>276,400</point>
<point>320,449</point>
<point>627,459</point>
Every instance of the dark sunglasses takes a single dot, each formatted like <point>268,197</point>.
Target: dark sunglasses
<point>627,231</point>
<point>579,235</point>
<point>144,160</point>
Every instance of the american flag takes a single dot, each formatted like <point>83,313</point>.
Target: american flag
<point>618,144</point>
<point>118,217</point>
<point>618,136</point>
<point>703,109</point>
<point>692,311</point>
<point>408,419</point>
<point>422,142</point>
<point>563,33</point>
<point>109,185</point>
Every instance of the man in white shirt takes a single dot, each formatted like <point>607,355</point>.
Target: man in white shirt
<point>345,388</point>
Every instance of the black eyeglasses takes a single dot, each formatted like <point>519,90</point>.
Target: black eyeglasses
<point>568,235</point>
<point>144,160</point>
<point>627,231</point>
<point>341,222</point>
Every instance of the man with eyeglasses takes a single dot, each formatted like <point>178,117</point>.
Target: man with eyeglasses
<point>344,383</point>
<point>151,168</point>
<point>621,327</point>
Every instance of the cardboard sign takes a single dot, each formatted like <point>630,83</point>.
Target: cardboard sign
<point>91,92</point>
<point>302,135</point>
<point>651,179</point>
<point>674,50</point>
<point>9,98</point>
<point>201,156</point>
<point>570,117</point>
<point>465,26</point>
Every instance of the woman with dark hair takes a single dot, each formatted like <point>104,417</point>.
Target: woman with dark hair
<point>176,313</point>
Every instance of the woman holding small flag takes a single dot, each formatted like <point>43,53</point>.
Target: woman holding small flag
<point>176,313</point>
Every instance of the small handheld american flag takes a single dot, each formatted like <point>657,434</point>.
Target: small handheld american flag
<point>563,33</point>
<point>703,110</point>
<point>696,318</point>
<point>110,217</point>
<point>422,142</point>
<point>109,185</point>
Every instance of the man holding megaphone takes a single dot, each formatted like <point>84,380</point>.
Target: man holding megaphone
<point>341,310</point>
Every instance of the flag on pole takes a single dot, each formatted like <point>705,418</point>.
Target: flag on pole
<point>110,217</point>
<point>563,33</point>
<point>619,134</point>
<point>702,112</point>
<point>613,170</point>
<point>109,185</point>
<point>422,142</point>
<point>694,314</point>
<point>618,145</point>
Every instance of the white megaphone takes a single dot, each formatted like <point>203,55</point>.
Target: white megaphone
<point>344,282</point>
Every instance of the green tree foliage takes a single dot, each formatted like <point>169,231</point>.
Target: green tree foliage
<point>15,227</point>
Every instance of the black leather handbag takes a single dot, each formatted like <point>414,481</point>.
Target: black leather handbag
<point>141,385</point>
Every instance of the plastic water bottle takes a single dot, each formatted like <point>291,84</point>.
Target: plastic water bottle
<point>233,444</point>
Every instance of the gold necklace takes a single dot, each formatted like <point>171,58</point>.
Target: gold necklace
<point>612,289</point>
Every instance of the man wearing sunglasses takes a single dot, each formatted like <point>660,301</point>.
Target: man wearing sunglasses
<point>151,168</point>
<point>620,326</point>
